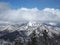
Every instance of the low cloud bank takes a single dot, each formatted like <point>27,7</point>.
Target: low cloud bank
<point>16,15</point>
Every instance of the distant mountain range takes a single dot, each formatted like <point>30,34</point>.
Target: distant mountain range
<point>25,30</point>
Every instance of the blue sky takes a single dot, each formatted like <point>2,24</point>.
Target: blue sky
<point>40,4</point>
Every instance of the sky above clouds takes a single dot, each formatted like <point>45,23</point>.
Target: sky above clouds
<point>29,10</point>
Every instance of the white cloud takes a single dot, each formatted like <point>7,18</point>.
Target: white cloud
<point>4,6</point>
<point>16,15</point>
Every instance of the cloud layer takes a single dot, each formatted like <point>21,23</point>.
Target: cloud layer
<point>16,15</point>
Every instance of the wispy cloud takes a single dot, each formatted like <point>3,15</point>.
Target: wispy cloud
<point>16,15</point>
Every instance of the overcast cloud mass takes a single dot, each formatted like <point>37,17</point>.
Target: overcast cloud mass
<point>16,15</point>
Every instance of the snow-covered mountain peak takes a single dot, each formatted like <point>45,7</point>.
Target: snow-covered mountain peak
<point>34,24</point>
<point>31,23</point>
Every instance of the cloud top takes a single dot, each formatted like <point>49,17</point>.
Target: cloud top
<point>16,15</point>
